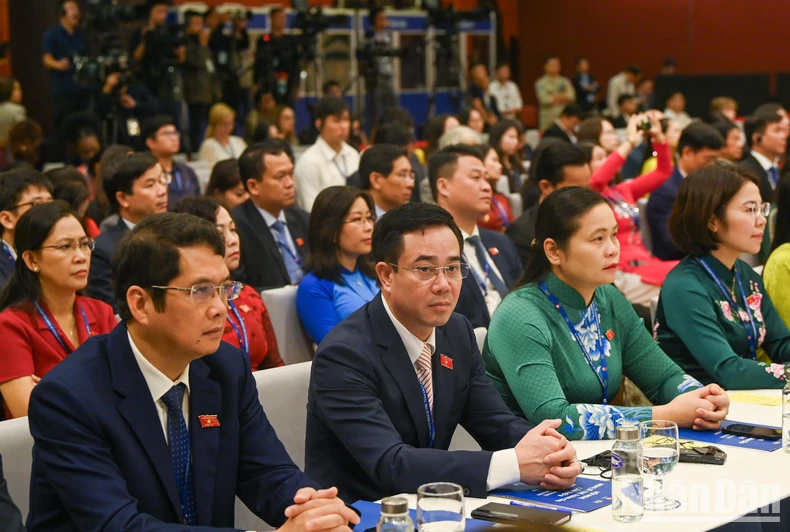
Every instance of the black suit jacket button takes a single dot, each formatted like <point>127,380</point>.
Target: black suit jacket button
<point>467,492</point>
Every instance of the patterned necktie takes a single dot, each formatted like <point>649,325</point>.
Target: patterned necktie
<point>424,372</point>
<point>295,272</point>
<point>773,175</point>
<point>482,258</point>
<point>178,436</point>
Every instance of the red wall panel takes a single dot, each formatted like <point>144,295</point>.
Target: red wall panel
<point>705,36</point>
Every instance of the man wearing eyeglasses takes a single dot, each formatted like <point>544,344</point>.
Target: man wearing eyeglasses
<point>19,190</point>
<point>385,172</point>
<point>163,140</point>
<point>157,425</point>
<point>391,383</point>
<point>136,188</point>
<point>458,181</point>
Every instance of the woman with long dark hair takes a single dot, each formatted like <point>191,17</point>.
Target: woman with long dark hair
<point>504,138</point>
<point>500,215</point>
<point>776,274</point>
<point>714,316</point>
<point>248,325</point>
<point>560,343</point>
<point>341,276</point>
<point>42,319</point>
<point>225,184</point>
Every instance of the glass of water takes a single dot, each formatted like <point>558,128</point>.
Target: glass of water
<point>440,507</point>
<point>660,454</point>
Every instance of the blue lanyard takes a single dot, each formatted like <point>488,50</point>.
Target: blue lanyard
<point>344,171</point>
<point>177,176</point>
<point>500,212</point>
<point>751,328</point>
<point>7,250</point>
<point>617,199</point>
<point>431,424</point>
<point>295,256</point>
<point>241,334</point>
<point>54,331</point>
<point>481,282</point>
<point>603,376</point>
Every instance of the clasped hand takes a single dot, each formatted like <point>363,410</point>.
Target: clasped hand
<point>547,458</point>
<point>318,511</point>
<point>702,409</point>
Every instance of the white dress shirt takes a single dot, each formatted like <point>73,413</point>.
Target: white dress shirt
<point>682,118</point>
<point>379,211</point>
<point>503,469</point>
<point>320,167</point>
<point>491,296</point>
<point>213,152</point>
<point>618,85</point>
<point>269,219</point>
<point>159,384</point>
<point>507,95</point>
<point>764,161</point>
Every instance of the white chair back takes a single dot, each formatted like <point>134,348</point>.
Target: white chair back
<point>644,226</point>
<point>463,441</point>
<point>16,448</point>
<point>516,204</point>
<point>653,310</point>
<point>291,338</point>
<point>202,171</point>
<point>503,185</point>
<point>283,395</point>
<point>480,336</point>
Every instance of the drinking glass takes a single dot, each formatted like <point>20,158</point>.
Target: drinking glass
<point>440,507</point>
<point>660,454</point>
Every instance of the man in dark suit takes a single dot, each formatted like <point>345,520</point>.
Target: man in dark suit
<point>157,425</point>
<point>10,517</point>
<point>766,132</point>
<point>19,190</point>
<point>273,232</point>
<point>566,124</point>
<point>458,183</point>
<point>136,188</point>
<point>698,147</point>
<point>627,106</point>
<point>559,165</point>
<point>391,383</point>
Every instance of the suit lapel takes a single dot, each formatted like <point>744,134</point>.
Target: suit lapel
<point>471,285</point>
<point>264,235</point>
<point>443,387</point>
<point>498,258</point>
<point>295,228</point>
<point>205,399</point>
<point>138,409</point>
<point>396,359</point>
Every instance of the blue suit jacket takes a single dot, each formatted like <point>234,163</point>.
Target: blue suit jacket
<point>100,460</point>
<point>100,275</point>
<point>471,302</point>
<point>367,429</point>
<point>659,208</point>
<point>6,267</point>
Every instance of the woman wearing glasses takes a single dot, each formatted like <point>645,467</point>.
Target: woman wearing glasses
<point>714,316</point>
<point>559,345</point>
<point>248,325</point>
<point>42,319</point>
<point>341,277</point>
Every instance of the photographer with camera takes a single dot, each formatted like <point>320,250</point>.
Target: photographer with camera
<point>61,44</point>
<point>155,49</point>
<point>377,61</point>
<point>229,38</point>
<point>200,81</point>
<point>277,61</point>
<point>123,105</point>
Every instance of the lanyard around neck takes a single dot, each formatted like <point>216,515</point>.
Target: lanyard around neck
<point>54,330</point>
<point>603,375</point>
<point>240,330</point>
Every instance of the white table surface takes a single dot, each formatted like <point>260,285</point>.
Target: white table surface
<point>710,495</point>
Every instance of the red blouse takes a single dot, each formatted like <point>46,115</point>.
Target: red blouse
<point>499,216</point>
<point>264,352</point>
<point>634,256</point>
<point>30,348</point>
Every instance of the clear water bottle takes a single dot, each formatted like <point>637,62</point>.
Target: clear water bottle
<point>627,484</point>
<point>395,516</point>
<point>786,413</point>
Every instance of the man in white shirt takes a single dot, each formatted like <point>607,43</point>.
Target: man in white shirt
<point>619,84</point>
<point>506,93</point>
<point>392,382</point>
<point>386,173</point>
<point>457,177</point>
<point>330,161</point>
<point>766,133</point>
<point>676,110</point>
